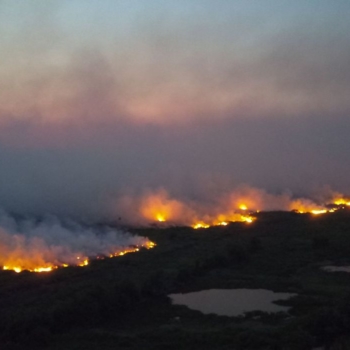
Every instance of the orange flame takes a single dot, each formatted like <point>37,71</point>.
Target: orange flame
<point>237,206</point>
<point>341,201</point>
<point>27,265</point>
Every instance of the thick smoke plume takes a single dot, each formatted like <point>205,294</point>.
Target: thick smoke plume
<point>32,245</point>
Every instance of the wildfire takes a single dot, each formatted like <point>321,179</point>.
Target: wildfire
<point>315,211</point>
<point>44,269</point>
<point>342,201</point>
<point>243,207</point>
<point>224,222</point>
<point>319,211</point>
<point>160,218</point>
<point>31,252</point>
<point>159,207</point>
<point>247,219</point>
<point>81,261</point>
<point>37,269</point>
<point>200,225</point>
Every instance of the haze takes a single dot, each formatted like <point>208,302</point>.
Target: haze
<point>102,99</point>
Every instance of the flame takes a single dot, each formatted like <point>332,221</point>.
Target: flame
<point>237,206</point>
<point>160,218</point>
<point>314,211</point>
<point>248,219</point>
<point>224,222</point>
<point>159,207</point>
<point>27,266</point>
<point>84,263</point>
<point>341,201</point>
<point>303,206</point>
<point>150,245</point>
<point>14,268</point>
<point>44,269</point>
<point>200,225</point>
<point>319,211</point>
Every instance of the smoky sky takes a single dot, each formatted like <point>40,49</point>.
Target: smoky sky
<point>204,160</point>
<point>99,99</point>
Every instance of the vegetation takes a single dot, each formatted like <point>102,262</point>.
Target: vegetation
<point>122,303</point>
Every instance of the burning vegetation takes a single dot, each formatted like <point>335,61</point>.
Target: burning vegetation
<point>48,245</point>
<point>25,263</point>
<point>159,208</point>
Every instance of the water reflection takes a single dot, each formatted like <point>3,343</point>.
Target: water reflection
<point>232,302</point>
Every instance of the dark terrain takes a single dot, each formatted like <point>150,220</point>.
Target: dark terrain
<point>122,303</point>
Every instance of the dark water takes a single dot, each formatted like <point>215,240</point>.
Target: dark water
<point>231,302</point>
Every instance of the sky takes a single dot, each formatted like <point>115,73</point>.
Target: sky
<point>99,99</point>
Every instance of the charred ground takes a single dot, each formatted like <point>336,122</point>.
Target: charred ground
<point>122,302</point>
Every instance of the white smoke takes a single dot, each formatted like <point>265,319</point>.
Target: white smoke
<point>30,244</point>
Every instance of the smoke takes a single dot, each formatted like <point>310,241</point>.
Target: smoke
<point>158,206</point>
<point>150,61</point>
<point>88,169</point>
<point>99,103</point>
<point>32,244</point>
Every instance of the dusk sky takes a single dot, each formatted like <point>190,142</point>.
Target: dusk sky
<point>102,98</point>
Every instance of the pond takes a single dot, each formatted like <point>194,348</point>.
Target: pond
<point>232,302</point>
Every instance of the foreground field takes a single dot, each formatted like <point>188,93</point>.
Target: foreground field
<point>122,303</point>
